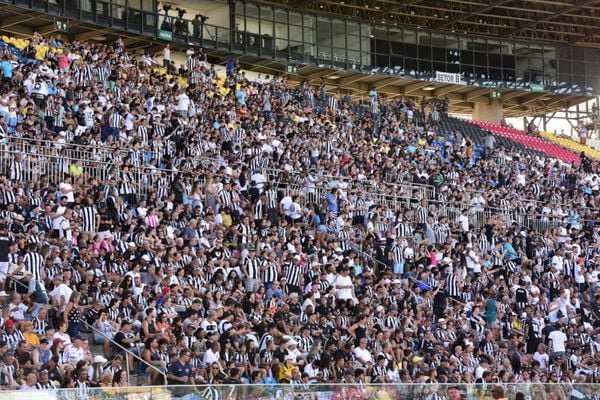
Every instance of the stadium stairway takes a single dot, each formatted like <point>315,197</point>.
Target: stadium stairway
<point>532,142</point>
<point>571,144</point>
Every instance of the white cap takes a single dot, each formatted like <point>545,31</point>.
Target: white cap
<point>100,359</point>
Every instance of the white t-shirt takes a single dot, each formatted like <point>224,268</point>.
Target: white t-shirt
<point>16,311</point>
<point>343,294</point>
<point>210,357</point>
<point>67,187</point>
<point>88,115</point>
<point>62,336</point>
<point>183,102</point>
<point>61,290</point>
<point>364,355</point>
<point>463,220</point>
<point>543,359</point>
<point>558,341</point>
<point>208,326</point>
<point>285,203</point>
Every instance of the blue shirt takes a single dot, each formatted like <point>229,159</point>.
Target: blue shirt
<point>241,96</point>
<point>332,205</point>
<point>510,251</point>
<point>180,370</point>
<point>7,69</point>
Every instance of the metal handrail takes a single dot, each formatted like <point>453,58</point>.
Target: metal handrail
<point>108,151</point>
<point>111,340</point>
<point>107,155</point>
<point>144,182</point>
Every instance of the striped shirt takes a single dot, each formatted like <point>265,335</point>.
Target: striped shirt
<point>269,271</point>
<point>452,288</point>
<point>34,263</point>
<point>115,120</point>
<point>88,217</point>
<point>293,273</point>
<point>252,266</point>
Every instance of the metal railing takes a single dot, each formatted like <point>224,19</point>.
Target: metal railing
<point>148,179</point>
<point>359,390</point>
<point>111,156</point>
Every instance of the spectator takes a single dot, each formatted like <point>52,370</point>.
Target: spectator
<point>428,263</point>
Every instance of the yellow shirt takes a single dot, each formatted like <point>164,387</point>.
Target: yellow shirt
<point>285,372</point>
<point>32,338</point>
<point>227,221</point>
<point>75,170</point>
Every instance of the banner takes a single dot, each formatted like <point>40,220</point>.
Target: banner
<point>447,77</point>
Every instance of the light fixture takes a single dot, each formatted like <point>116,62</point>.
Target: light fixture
<point>429,88</point>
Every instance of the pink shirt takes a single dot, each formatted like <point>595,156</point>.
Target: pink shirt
<point>63,62</point>
<point>152,221</point>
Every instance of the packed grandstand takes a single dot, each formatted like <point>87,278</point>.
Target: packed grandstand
<point>192,227</point>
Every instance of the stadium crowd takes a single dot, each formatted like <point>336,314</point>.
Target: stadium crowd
<point>227,272</point>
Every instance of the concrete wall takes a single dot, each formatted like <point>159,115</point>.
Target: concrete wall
<point>491,112</point>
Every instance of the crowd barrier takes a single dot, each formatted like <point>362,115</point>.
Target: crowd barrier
<point>315,392</point>
<point>114,155</point>
<point>102,162</point>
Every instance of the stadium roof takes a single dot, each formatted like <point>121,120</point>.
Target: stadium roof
<point>515,102</point>
<point>575,22</point>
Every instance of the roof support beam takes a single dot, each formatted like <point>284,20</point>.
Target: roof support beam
<point>347,80</point>
<point>20,30</point>
<point>445,90</point>
<point>413,87</point>
<point>383,83</point>
<point>476,11</point>
<point>16,20</point>
<point>511,95</point>
<point>558,100</point>
<point>476,93</point>
<point>262,64</point>
<point>578,4</point>
<point>319,74</point>
<point>133,39</point>
<point>90,34</point>
<point>531,98</point>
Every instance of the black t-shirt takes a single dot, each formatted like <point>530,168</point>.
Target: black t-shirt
<point>120,336</point>
<point>5,244</point>
<point>23,357</point>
